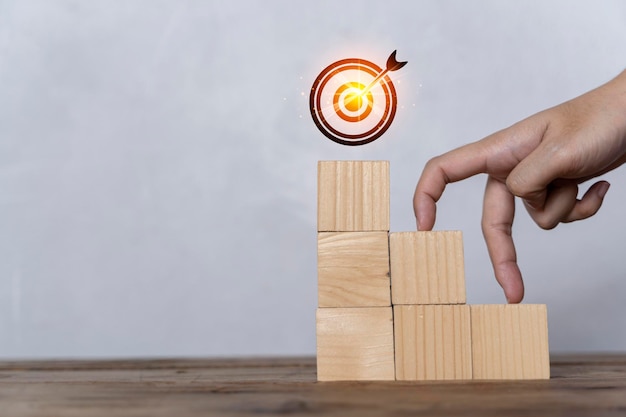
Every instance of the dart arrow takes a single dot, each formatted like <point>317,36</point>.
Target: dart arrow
<point>392,65</point>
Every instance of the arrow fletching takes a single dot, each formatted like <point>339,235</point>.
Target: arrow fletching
<point>393,64</point>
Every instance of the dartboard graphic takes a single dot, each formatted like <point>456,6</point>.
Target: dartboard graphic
<point>353,101</point>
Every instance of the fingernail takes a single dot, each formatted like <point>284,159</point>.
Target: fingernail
<point>418,223</point>
<point>602,189</point>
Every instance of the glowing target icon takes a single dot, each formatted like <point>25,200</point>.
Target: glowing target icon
<point>353,101</point>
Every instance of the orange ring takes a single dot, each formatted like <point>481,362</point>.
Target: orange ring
<point>357,86</point>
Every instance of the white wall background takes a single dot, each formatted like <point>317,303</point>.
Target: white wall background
<point>158,163</point>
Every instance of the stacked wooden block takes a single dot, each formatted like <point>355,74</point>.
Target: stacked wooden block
<point>392,305</point>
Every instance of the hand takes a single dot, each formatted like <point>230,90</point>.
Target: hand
<point>542,160</point>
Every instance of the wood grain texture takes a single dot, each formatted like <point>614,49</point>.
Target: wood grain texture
<point>510,341</point>
<point>355,344</point>
<point>352,196</point>
<point>427,267</point>
<point>433,342</point>
<point>582,385</point>
<point>353,269</point>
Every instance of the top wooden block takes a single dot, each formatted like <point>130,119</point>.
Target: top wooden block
<point>352,196</point>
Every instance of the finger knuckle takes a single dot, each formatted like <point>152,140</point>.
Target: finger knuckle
<point>546,223</point>
<point>432,163</point>
<point>517,186</point>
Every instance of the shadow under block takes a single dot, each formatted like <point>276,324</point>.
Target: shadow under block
<point>352,196</point>
<point>353,269</point>
<point>433,342</point>
<point>510,341</point>
<point>427,267</point>
<point>355,344</point>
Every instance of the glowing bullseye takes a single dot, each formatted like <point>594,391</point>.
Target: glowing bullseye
<point>352,102</point>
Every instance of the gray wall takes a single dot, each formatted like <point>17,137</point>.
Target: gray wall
<point>158,163</point>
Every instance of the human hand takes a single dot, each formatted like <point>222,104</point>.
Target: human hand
<point>542,160</point>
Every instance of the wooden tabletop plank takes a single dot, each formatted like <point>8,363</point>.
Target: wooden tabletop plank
<point>581,385</point>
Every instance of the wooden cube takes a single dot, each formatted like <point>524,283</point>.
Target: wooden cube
<point>510,341</point>
<point>433,342</point>
<point>427,267</point>
<point>355,344</point>
<point>352,196</point>
<point>353,269</point>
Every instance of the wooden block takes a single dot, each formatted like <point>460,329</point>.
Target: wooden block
<point>353,269</point>
<point>355,344</point>
<point>510,341</point>
<point>352,196</point>
<point>427,267</point>
<point>433,342</point>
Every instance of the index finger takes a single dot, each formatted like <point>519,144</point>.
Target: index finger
<point>456,165</point>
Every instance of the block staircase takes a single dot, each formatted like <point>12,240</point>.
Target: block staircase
<point>392,306</point>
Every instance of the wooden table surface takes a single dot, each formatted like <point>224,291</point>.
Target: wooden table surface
<point>581,385</point>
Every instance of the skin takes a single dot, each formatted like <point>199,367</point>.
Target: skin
<point>542,160</point>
